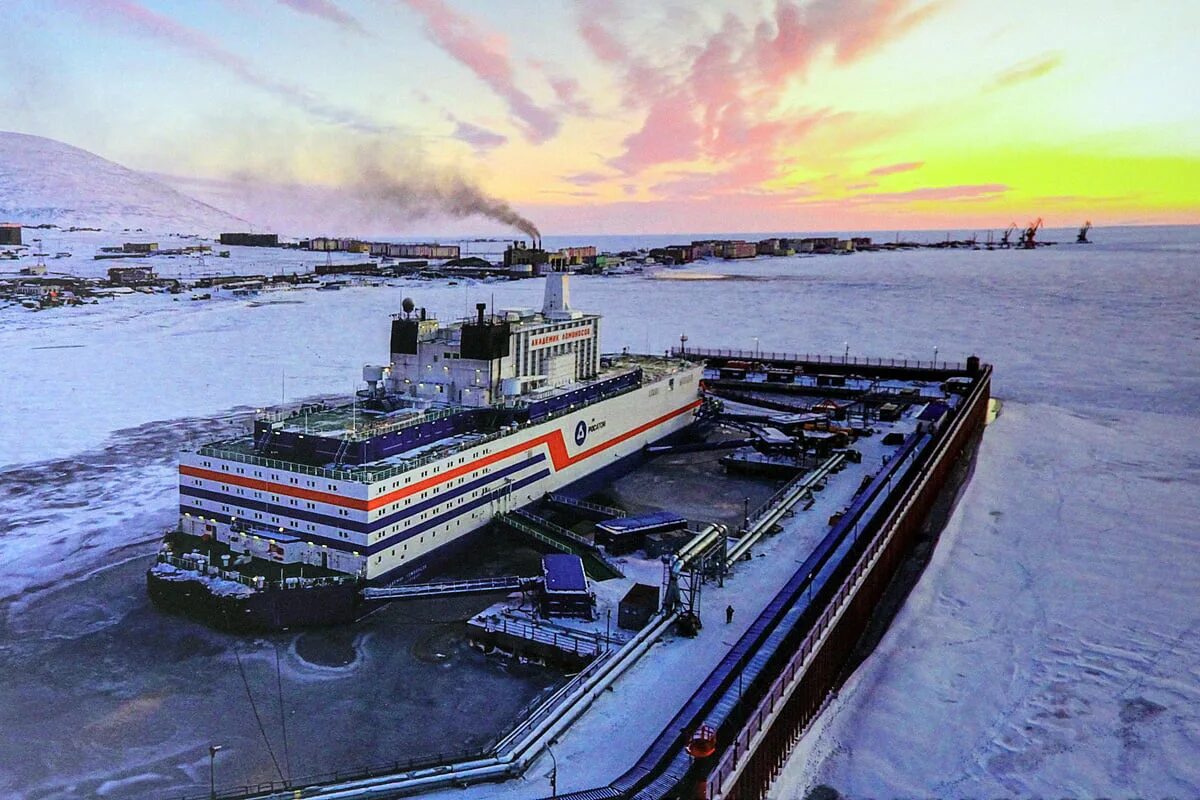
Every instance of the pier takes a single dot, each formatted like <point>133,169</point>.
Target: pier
<point>731,736</point>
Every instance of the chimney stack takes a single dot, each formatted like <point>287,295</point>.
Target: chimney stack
<point>479,308</point>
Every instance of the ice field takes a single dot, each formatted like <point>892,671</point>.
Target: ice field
<point>1050,647</point>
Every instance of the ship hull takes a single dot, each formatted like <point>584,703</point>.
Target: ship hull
<point>265,610</point>
<point>403,525</point>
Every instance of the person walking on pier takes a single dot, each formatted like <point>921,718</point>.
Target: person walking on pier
<point>729,615</point>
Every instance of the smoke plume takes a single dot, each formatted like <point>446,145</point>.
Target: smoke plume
<point>325,183</point>
<point>420,191</point>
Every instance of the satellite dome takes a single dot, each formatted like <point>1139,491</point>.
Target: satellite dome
<point>408,305</point>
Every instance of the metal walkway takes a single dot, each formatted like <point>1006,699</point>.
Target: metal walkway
<point>506,583</point>
<point>595,562</point>
<point>698,447</point>
<point>584,508</point>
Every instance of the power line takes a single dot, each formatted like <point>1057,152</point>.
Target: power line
<point>287,758</point>
<point>257,718</point>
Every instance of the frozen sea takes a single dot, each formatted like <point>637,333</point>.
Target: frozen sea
<point>1051,646</point>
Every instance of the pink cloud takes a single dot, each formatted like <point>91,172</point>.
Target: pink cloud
<point>892,169</point>
<point>463,40</point>
<point>480,138</point>
<point>567,90</point>
<point>711,100</point>
<point>326,10</point>
<point>141,21</point>
<point>669,133</point>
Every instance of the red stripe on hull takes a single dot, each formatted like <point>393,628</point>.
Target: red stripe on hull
<point>552,439</point>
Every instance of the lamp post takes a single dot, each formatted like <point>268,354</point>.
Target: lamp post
<point>212,770</point>
<point>756,347</point>
<point>553,772</point>
<point>935,352</point>
<point>846,355</point>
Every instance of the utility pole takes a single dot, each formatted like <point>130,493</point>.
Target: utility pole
<point>212,770</point>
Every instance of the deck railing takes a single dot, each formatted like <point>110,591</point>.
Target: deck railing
<point>371,475</point>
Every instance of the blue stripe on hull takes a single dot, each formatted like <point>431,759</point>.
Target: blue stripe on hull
<point>384,544</point>
<point>440,496</point>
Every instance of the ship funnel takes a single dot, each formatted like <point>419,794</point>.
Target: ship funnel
<point>479,309</point>
<point>558,293</point>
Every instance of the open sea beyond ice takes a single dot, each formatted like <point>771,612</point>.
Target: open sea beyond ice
<point>1050,647</point>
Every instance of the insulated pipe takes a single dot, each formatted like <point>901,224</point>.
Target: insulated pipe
<point>793,496</point>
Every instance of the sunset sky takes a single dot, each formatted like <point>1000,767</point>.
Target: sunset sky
<point>627,117</point>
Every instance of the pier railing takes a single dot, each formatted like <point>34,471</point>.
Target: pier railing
<point>580,643</point>
<point>818,358</point>
<point>803,686</point>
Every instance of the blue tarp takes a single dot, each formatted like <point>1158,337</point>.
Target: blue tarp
<point>564,573</point>
<point>934,411</point>
<point>655,520</point>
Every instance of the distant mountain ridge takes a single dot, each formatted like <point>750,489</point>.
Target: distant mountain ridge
<point>46,181</point>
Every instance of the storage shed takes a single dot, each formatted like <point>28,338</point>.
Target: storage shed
<point>626,534</point>
<point>637,607</point>
<point>565,587</point>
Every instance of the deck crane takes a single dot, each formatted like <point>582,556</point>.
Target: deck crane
<point>1083,232</point>
<point>1029,236</point>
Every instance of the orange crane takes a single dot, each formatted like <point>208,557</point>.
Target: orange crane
<point>1030,234</point>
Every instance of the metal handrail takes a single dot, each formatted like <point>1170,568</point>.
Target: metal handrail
<point>368,475</point>
<point>761,355</point>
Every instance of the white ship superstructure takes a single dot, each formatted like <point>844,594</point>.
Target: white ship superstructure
<point>466,421</point>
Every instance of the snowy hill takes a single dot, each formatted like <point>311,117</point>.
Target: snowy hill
<point>46,181</point>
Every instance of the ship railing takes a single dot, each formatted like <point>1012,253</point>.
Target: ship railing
<point>367,475</point>
<point>193,565</point>
<point>818,358</point>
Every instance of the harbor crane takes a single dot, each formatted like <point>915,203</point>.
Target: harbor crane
<point>1083,232</point>
<point>1028,238</point>
<point>1004,240</point>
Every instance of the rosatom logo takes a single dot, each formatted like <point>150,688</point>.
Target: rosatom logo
<point>581,432</point>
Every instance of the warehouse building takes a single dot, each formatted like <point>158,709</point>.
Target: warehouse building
<point>251,239</point>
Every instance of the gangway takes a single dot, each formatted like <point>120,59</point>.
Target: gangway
<point>505,583</point>
<point>583,507</point>
<point>698,447</point>
<point>597,565</point>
